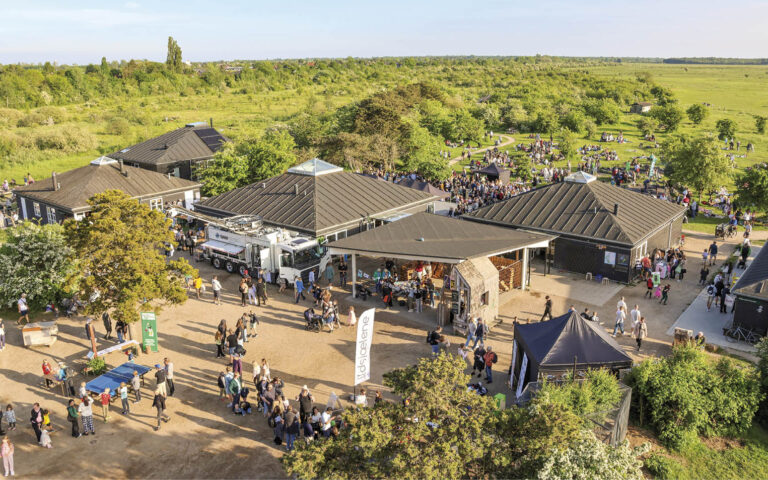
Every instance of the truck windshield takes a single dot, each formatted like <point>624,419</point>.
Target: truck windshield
<point>309,256</point>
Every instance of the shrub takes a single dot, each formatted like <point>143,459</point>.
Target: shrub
<point>598,392</point>
<point>66,140</point>
<point>10,116</point>
<point>662,467</point>
<point>687,394</point>
<point>118,126</point>
<point>32,119</point>
<point>97,366</point>
<point>56,114</point>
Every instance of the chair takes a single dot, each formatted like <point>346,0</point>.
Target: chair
<point>606,281</point>
<point>589,276</point>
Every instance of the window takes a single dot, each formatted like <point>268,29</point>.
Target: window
<point>51,214</point>
<point>484,299</point>
<point>156,203</point>
<point>36,206</point>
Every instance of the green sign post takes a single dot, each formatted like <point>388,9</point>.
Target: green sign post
<point>149,330</point>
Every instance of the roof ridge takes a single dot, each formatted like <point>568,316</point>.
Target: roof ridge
<point>609,208</point>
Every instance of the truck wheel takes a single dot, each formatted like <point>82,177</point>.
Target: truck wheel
<point>216,262</point>
<point>230,267</point>
<point>241,269</point>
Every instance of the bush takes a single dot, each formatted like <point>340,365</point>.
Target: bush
<point>118,126</point>
<point>598,392</point>
<point>33,119</point>
<point>662,467</point>
<point>687,394</point>
<point>10,116</point>
<point>97,366</point>
<point>66,140</point>
<point>588,457</point>
<point>53,113</point>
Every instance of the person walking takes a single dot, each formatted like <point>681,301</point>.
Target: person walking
<point>120,329</point>
<point>105,398</point>
<point>198,284</point>
<point>343,268</point>
<point>216,287</point>
<point>665,294</point>
<point>547,309</point>
<point>160,379</point>
<point>136,386</point>
<point>471,328</point>
<point>6,451</point>
<point>86,415</point>
<point>299,286</point>
<point>640,331</point>
<point>73,417</point>
<point>261,292</point>
<point>235,387</point>
<point>329,273</point>
<point>635,315</point>
<point>23,309</point>
<point>169,376</point>
<point>489,359</point>
<point>713,253</point>
<point>480,332</point>
<point>107,321</point>
<point>36,418</point>
<point>621,315</point>
<point>434,339</point>
<point>159,404</point>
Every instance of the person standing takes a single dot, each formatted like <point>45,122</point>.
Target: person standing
<point>6,451</point>
<point>471,328</point>
<point>216,287</point>
<point>123,392</point>
<point>311,278</point>
<point>120,327</point>
<point>243,289</point>
<point>640,331</point>
<point>23,309</point>
<point>635,315</point>
<point>329,273</point>
<point>235,387</point>
<point>159,404</point>
<point>107,325</point>
<point>489,358</point>
<point>622,303</point>
<point>261,292</point>
<point>136,385</point>
<point>160,379</point>
<point>434,339</point>
<point>2,335</point>
<point>291,427</point>
<point>105,398</point>
<point>306,401</point>
<point>713,253</point>
<point>343,273</point>
<point>73,417</point>
<point>299,286</point>
<point>723,296</point>
<point>621,315</point>
<point>480,332</point>
<point>86,414</point>
<point>198,284</point>
<point>547,309</point>
<point>36,418</point>
<point>169,376</point>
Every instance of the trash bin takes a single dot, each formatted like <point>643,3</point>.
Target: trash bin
<point>500,400</point>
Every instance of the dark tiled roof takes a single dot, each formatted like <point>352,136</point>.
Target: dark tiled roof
<point>429,236</point>
<point>754,282</point>
<point>187,143</point>
<point>424,187</point>
<point>80,184</point>
<point>315,204</point>
<point>492,169</point>
<point>583,210</point>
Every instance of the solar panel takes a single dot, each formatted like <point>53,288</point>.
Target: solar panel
<point>210,137</point>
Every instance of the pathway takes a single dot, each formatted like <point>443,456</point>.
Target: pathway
<point>507,141</point>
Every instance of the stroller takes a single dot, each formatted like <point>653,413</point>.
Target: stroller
<point>362,292</point>
<point>313,320</point>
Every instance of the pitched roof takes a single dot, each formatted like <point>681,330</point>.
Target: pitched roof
<point>754,282</point>
<point>423,186</point>
<point>429,236</point>
<point>192,142</point>
<point>583,207</point>
<point>320,200</point>
<point>492,169</point>
<point>80,184</point>
<point>556,342</point>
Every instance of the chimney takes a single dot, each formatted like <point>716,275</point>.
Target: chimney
<point>615,208</point>
<point>296,189</point>
<point>165,146</point>
<point>55,183</point>
<point>122,167</point>
<point>210,120</point>
<point>264,185</point>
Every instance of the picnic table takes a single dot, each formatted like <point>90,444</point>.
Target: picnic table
<point>114,377</point>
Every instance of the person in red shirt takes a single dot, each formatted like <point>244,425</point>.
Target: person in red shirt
<point>47,370</point>
<point>106,397</point>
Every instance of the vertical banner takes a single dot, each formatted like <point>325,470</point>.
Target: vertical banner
<point>512,367</point>
<point>149,330</point>
<point>363,346</point>
<point>521,378</point>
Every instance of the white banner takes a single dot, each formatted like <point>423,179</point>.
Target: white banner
<point>512,368</point>
<point>363,346</point>
<point>521,378</point>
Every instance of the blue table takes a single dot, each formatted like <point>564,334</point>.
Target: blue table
<point>114,377</point>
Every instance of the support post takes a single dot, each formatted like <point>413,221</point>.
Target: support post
<point>354,274</point>
<point>526,261</point>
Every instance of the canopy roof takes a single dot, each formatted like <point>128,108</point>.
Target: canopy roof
<point>426,236</point>
<point>554,344</point>
<point>492,169</point>
<point>424,187</point>
<point>582,207</point>
<point>754,282</point>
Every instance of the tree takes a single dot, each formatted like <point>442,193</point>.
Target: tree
<point>760,124</point>
<point>663,95</point>
<point>573,121</point>
<point>104,67</point>
<point>567,144</point>
<point>726,128</point>
<point>36,260</point>
<point>173,58</point>
<point>228,170</point>
<point>696,162</point>
<point>762,368</point>
<point>647,125</point>
<point>119,246</point>
<point>466,127</point>
<point>270,155</point>
<point>603,111</point>
<point>590,128</point>
<point>697,113</point>
<point>669,116</point>
<point>442,432</point>
<point>524,168</point>
<point>752,187</point>
<point>588,457</point>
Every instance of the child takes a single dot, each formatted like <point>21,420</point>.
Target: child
<point>665,294</point>
<point>222,388</point>
<point>47,421</point>
<point>83,392</point>
<point>704,255</point>
<point>105,398</point>
<point>6,451</point>
<point>10,416</point>
<point>124,398</point>
<point>45,439</point>
<point>136,385</point>
<point>649,284</point>
<point>253,320</point>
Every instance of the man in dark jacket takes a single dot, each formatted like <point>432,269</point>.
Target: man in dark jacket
<point>107,325</point>
<point>547,309</point>
<point>305,400</point>
<point>159,404</point>
<point>291,427</point>
<point>479,364</point>
<point>261,292</point>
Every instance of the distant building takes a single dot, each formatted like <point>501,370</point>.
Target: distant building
<point>178,152</point>
<point>640,107</point>
<point>66,195</point>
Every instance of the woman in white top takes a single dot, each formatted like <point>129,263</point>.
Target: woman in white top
<point>621,315</point>
<point>352,317</point>
<point>265,370</point>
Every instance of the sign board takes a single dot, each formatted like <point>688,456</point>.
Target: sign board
<point>149,330</point>
<point>363,346</point>
<point>610,258</point>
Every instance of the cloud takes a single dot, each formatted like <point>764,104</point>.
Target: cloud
<point>132,5</point>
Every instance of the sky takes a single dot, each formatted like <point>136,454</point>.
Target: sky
<point>82,31</point>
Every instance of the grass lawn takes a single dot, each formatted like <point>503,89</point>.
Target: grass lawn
<point>718,458</point>
<point>707,225</point>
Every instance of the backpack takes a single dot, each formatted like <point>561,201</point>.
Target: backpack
<point>429,336</point>
<point>221,380</point>
<point>240,350</point>
<point>710,290</point>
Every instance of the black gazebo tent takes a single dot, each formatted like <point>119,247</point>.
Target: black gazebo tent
<point>553,347</point>
<point>495,172</point>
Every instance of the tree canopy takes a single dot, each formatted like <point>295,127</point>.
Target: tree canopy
<point>119,250</point>
<point>173,58</point>
<point>726,128</point>
<point>697,113</point>
<point>696,162</point>
<point>752,187</point>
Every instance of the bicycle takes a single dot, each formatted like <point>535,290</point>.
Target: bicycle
<point>739,334</point>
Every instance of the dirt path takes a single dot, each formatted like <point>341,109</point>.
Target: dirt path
<point>507,141</point>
